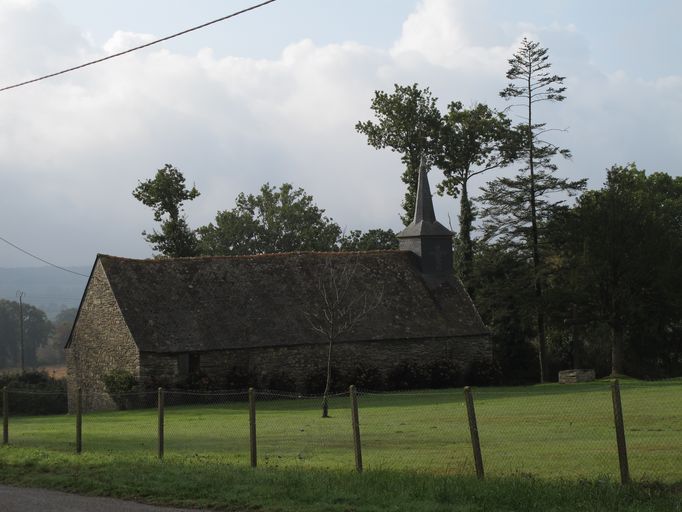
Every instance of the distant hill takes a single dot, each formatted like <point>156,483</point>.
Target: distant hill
<point>47,288</point>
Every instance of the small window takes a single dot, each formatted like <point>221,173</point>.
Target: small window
<point>183,364</point>
<point>194,363</point>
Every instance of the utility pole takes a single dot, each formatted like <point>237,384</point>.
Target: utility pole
<point>20,294</point>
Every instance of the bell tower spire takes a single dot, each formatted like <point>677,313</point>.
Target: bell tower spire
<point>425,236</point>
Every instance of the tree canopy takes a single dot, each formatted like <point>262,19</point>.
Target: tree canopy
<point>280,219</point>
<point>409,123</point>
<point>165,194</point>
<point>623,246</point>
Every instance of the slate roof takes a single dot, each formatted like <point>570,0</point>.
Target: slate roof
<point>213,303</point>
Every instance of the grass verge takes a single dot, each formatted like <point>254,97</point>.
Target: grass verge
<point>206,483</point>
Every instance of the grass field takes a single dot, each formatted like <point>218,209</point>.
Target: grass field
<point>545,448</point>
<point>547,432</point>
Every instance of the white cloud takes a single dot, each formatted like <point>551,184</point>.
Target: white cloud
<point>122,41</point>
<point>75,146</point>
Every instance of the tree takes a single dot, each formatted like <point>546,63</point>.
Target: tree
<point>509,222</point>
<point>472,141</point>
<point>408,123</point>
<point>53,351</point>
<point>36,330</point>
<point>276,220</point>
<point>625,244</point>
<point>532,83</point>
<point>503,299</point>
<point>342,304</point>
<point>371,240</point>
<point>165,194</point>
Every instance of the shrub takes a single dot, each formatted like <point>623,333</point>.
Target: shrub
<point>120,383</point>
<point>315,381</point>
<point>407,375</point>
<point>484,372</point>
<point>367,378</point>
<point>238,377</point>
<point>35,393</point>
<point>443,374</point>
<point>281,382</point>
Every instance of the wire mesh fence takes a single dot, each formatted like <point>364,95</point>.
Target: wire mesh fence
<point>209,425</point>
<point>292,432</point>
<point>416,430</point>
<point>566,434</point>
<point>124,424</point>
<point>546,431</point>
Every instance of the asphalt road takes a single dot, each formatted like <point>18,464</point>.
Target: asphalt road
<point>19,499</point>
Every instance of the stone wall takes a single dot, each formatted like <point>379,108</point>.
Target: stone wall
<point>300,361</point>
<point>575,376</point>
<point>101,342</point>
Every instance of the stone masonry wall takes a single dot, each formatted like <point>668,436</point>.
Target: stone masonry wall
<point>101,342</point>
<point>300,361</point>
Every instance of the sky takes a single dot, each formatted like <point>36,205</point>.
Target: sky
<point>273,96</point>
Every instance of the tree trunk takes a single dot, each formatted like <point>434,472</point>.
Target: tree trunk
<point>542,344</point>
<point>575,344</point>
<point>617,341</point>
<point>466,219</point>
<point>325,397</point>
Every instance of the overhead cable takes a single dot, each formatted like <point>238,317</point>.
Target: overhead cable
<point>157,41</point>
<point>41,259</point>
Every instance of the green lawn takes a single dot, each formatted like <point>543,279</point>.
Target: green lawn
<point>547,431</point>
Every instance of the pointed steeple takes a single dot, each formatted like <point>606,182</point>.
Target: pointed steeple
<point>423,209</point>
<point>425,236</point>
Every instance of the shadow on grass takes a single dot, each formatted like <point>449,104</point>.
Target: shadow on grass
<point>208,483</point>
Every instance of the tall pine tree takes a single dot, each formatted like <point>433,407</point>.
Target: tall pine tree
<point>514,209</point>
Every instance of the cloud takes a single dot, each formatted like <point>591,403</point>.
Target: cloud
<point>74,147</point>
<point>122,41</point>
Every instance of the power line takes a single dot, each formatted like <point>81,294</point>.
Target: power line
<point>97,61</point>
<point>41,259</point>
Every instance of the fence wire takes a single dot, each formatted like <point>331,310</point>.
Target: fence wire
<point>653,430</point>
<point>47,431</point>
<point>544,431</point>
<point>122,424</point>
<point>207,425</point>
<point>423,431</point>
<point>567,433</point>
<point>292,431</point>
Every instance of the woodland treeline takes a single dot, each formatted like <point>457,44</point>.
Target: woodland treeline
<point>564,277</point>
<point>43,339</point>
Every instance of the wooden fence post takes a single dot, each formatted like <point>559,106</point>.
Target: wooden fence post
<point>252,427</point>
<point>79,420</point>
<point>356,429</point>
<point>5,416</point>
<point>473,429</point>
<point>620,432</point>
<point>161,405</point>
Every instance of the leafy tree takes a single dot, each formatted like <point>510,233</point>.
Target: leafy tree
<point>504,301</point>
<point>371,240</point>
<point>624,243</point>
<point>531,83</point>
<point>472,141</point>
<point>165,194</point>
<point>36,330</point>
<point>408,122</point>
<point>276,220</point>
<point>53,351</point>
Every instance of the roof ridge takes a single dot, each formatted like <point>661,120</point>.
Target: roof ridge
<point>256,256</point>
